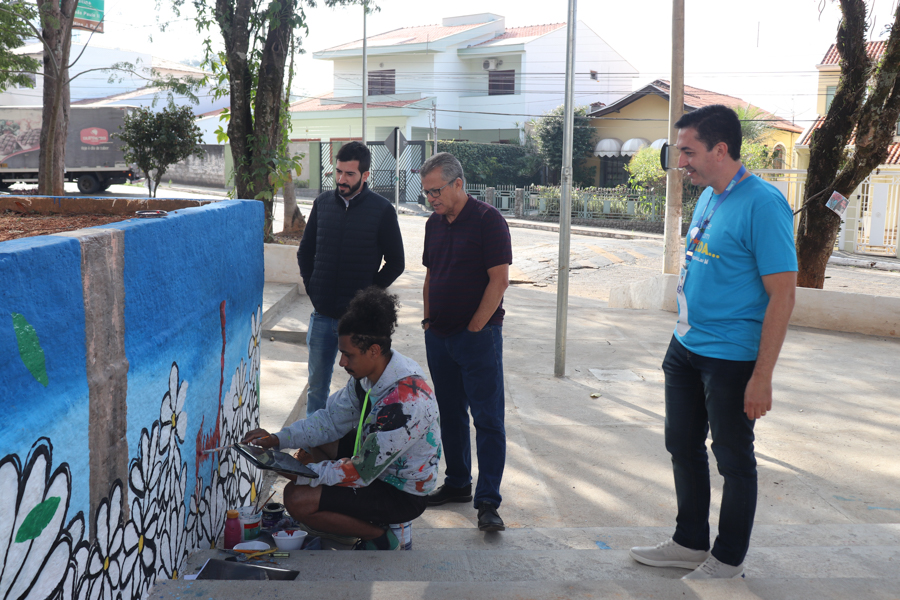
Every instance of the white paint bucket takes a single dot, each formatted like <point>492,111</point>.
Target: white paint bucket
<point>251,522</point>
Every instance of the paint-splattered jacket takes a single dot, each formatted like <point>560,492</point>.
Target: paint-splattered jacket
<point>401,436</point>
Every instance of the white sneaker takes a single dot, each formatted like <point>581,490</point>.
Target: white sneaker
<point>669,554</point>
<point>713,568</point>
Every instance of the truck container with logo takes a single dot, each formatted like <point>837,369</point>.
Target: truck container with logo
<point>94,157</point>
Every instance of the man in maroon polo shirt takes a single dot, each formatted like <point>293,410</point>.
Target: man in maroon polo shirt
<point>467,253</point>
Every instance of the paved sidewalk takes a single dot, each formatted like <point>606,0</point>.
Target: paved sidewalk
<point>829,451</point>
<point>587,475</point>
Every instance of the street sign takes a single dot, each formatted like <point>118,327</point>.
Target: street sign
<point>89,16</point>
<point>391,142</point>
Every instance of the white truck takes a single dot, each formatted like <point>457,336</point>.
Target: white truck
<point>94,158</point>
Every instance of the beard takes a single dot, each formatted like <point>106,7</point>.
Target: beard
<point>350,189</point>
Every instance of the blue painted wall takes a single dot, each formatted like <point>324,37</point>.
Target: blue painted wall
<point>190,279</point>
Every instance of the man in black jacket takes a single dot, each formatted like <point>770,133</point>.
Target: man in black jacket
<point>350,230</point>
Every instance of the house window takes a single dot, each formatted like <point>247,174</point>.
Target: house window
<point>829,96</point>
<point>501,83</point>
<point>612,171</point>
<point>382,83</point>
<point>778,157</point>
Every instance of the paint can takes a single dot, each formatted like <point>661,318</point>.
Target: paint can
<point>271,514</point>
<point>403,531</point>
<point>251,520</point>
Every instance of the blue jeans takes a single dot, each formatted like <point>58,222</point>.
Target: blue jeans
<point>322,342</point>
<point>467,371</point>
<point>707,394</point>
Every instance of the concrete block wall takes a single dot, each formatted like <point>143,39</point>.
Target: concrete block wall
<point>206,171</point>
<point>125,351</point>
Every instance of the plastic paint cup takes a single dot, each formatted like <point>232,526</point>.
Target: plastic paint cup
<point>251,521</point>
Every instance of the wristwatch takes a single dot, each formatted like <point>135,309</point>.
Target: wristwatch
<point>425,321</point>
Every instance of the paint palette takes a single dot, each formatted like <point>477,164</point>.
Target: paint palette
<point>273,460</point>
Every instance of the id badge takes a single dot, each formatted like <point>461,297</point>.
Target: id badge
<point>682,326</point>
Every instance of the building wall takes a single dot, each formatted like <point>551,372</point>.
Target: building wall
<point>547,54</point>
<point>647,118</point>
<point>206,171</point>
<point>130,349</point>
<point>827,78</point>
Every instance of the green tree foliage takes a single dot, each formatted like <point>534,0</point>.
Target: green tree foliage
<point>648,177</point>
<point>756,155</point>
<point>250,70</point>
<point>156,140</point>
<point>15,69</point>
<point>547,132</point>
<point>494,164</point>
<point>755,127</point>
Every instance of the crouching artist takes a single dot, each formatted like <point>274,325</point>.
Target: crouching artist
<point>380,475</point>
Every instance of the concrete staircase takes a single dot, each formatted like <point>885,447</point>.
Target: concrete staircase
<point>815,562</point>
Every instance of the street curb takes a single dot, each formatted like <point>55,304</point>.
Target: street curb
<point>864,264</point>
<point>580,230</point>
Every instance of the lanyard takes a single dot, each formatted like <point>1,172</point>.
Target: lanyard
<point>362,413</point>
<point>695,240</point>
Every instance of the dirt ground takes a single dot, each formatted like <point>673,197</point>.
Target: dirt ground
<point>15,225</point>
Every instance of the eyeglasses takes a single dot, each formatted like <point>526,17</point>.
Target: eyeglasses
<point>436,193</point>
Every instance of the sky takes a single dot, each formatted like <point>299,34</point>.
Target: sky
<point>764,52</point>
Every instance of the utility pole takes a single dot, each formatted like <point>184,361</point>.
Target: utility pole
<point>397,169</point>
<point>434,114</point>
<point>365,73</point>
<point>565,200</point>
<point>672,239</point>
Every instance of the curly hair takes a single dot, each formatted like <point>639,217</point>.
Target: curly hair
<point>370,319</point>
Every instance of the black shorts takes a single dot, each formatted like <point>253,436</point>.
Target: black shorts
<point>378,502</point>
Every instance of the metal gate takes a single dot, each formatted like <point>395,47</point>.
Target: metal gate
<point>382,171</point>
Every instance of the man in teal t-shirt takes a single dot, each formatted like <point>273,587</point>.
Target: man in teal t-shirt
<point>735,296</point>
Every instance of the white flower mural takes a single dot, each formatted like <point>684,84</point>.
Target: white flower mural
<point>107,551</point>
<point>41,558</point>
<point>171,415</point>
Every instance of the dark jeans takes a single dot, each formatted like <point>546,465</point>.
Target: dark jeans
<point>322,342</point>
<point>467,371</point>
<point>707,394</point>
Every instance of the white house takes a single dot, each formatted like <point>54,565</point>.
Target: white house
<point>479,79</point>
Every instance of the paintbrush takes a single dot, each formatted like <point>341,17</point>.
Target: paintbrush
<point>211,450</point>
<point>266,502</point>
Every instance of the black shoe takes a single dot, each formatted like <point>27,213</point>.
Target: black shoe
<point>488,519</point>
<point>445,494</point>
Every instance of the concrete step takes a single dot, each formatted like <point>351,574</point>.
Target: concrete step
<point>785,561</point>
<point>831,588</point>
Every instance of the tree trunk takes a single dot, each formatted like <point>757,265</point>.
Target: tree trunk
<point>255,136</point>
<point>56,23</point>
<point>294,223</point>
<point>873,116</point>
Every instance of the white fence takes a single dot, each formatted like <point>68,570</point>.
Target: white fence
<point>872,219</point>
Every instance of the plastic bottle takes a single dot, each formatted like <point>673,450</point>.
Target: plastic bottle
<point>232,529</point>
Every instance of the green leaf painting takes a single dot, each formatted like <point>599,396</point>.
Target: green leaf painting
<point>39,517</point>
<point>30,348</point>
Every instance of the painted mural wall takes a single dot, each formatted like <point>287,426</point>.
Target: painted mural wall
<point>125,351</point>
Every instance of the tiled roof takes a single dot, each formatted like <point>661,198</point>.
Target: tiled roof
<point>893,156</point>
<point>874,50</point>
<point>696,98</point>
<point>523,32</point>
<point>316,104</point>
<point>408,35</point>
